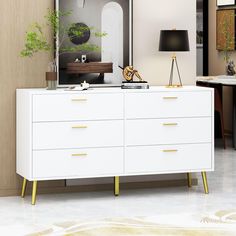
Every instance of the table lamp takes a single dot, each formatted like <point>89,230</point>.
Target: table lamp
<point>174,41</point>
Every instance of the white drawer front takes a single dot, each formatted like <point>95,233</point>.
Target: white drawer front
<point>77,163</point>
<point>167,104</point>
<point>168,158</point>
<point>168,131</point>
<point>60,135</point>
<point>69,107</point>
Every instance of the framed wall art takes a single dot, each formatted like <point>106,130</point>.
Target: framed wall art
<point>225,30</point>
<point>225,2</point>
<point>102,67</point>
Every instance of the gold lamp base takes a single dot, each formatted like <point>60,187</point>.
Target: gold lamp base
<point>174,86</point>
<point>171,85</point>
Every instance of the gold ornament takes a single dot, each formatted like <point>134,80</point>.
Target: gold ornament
<point>129,72</point>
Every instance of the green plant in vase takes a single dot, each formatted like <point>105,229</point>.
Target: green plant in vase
<point>36,40</point>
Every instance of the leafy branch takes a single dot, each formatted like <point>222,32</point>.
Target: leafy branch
<point>35,41</point>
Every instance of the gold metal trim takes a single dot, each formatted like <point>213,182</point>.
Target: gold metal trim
<point>205,184</point>
<point>117,185</point>
<point>24,184</point>
<point>189,177</point>
<point>174,86</point>
<point>79,99</point>
<point>79,155</point>
<point>171,150</point>
<point>80,127</point>
<point>170,97</point>
<point>34,192</point>
<point>170,124</point>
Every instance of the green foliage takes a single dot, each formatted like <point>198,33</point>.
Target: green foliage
<point>86,47</point>
<point>77,31</point>
<point>36,40</point>
<point>53,20</point>
<point>100,34</point>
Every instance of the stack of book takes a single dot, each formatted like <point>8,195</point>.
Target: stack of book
<point>135,85</point>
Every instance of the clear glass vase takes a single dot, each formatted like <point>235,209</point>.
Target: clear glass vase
<point>51,84</point>
<point>51,77</point>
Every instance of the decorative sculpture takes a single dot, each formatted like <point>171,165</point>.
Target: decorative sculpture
<point>129,72</point>
<point>230,68</point>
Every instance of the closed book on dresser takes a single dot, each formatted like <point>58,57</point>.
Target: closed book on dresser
<point>113,132</point>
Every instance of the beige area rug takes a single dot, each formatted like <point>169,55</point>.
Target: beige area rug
<point>221,223</point>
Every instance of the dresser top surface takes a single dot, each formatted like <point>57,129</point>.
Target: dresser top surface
<point>114,90</point>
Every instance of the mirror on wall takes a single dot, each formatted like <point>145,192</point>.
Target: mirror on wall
<point>202,37</point>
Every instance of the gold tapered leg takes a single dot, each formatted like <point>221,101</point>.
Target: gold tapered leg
<point>205,184</point>
<point>116,185</point>
<point>34,191</point>
<point>189,176</point>
<point>24,184</point>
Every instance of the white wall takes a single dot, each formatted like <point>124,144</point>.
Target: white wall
<point>151,16</point>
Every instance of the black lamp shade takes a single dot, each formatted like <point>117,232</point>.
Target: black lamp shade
<point>174,41</point>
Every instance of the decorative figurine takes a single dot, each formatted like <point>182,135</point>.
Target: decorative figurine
<point>129,72</point>
<point>230,68</point>
<point>85,85</point>
<point>83,58</point>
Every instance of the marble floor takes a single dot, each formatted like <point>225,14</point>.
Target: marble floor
<point>174,205</point>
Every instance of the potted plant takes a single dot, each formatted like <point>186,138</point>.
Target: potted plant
<point>36,41</point>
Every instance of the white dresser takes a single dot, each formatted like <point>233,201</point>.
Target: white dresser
<point>113,132</point>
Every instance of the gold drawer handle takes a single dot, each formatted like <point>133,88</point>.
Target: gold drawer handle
<point>80,127</point>
<point>170,124</point>
<point>79,99</point>
<point>173,150</point>
<point>170,98</point>
<point>79,155</point>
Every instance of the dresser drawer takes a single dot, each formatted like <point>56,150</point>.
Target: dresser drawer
<point>77,163</point>
<point>168,158</point>
<point>60,135</point>
<point>168,104</point>
<point>168,131</point>
<point>69,107</point>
